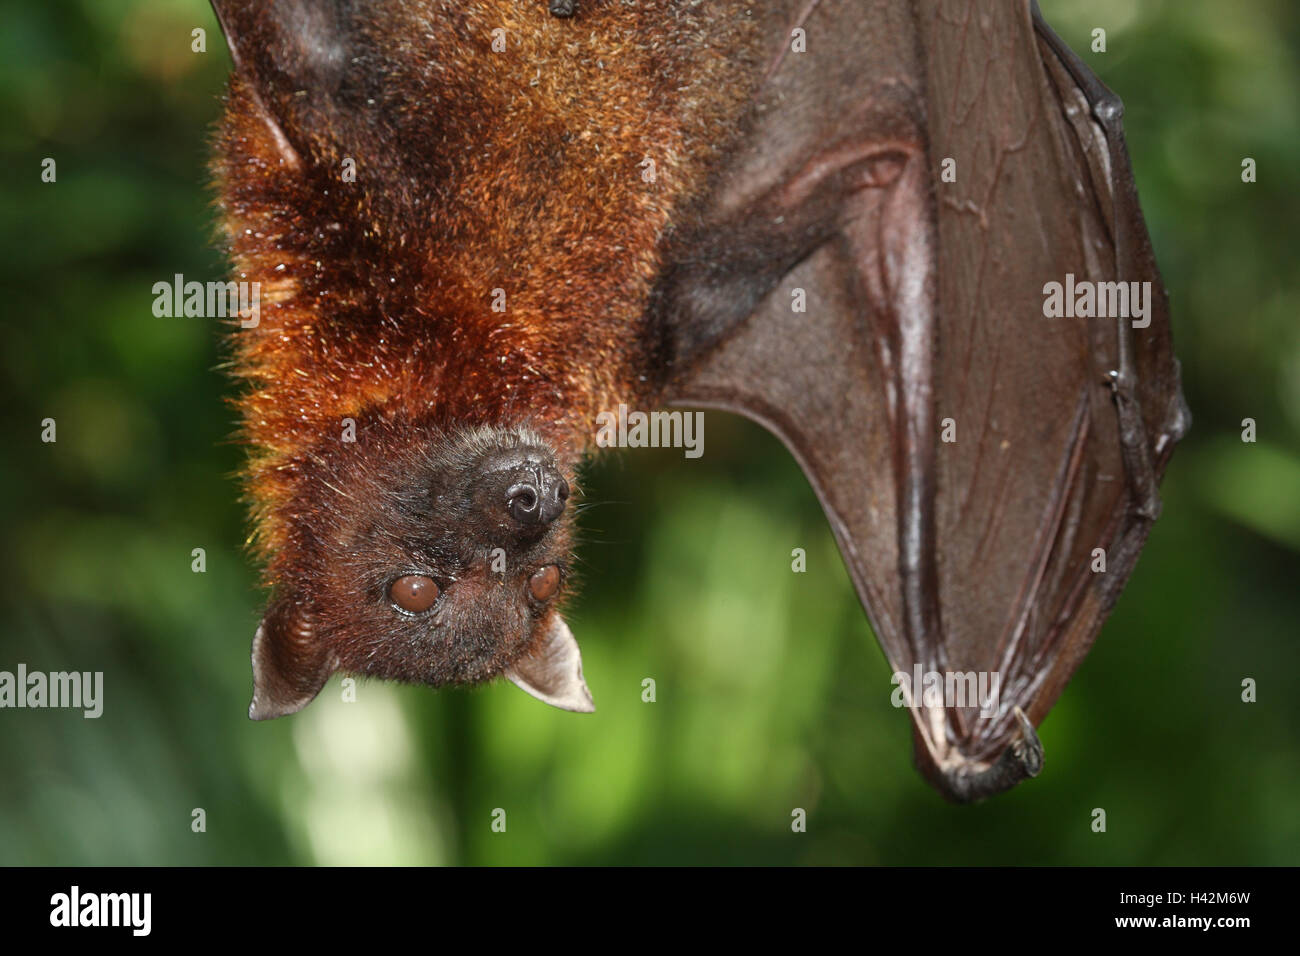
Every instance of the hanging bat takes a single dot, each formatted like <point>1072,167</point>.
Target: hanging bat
<point>903,235</point>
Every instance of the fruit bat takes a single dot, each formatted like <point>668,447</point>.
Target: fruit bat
<point>903,235</point>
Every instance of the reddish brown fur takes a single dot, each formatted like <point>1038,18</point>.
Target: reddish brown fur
<point>476,170</point>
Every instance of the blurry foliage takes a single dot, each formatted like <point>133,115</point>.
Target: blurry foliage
<point>771,691</point>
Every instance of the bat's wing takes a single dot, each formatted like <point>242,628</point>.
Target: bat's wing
<point>868,280</point>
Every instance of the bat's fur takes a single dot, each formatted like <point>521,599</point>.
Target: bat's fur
<point>476,171</point>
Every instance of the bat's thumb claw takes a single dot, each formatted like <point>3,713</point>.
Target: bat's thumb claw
<point>1027,748</point>
<point>963,781</point>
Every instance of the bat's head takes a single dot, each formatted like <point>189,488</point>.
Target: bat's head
<point>415,555</point>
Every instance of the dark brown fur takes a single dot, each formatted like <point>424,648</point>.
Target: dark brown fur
<point>469,179</point>
<point>476,170</point>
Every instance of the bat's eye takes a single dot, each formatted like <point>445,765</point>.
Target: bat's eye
<point>414,593</point>
<point>545,582</point>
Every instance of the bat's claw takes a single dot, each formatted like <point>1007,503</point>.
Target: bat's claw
<point>973,781</point>
<point>1027,748</point>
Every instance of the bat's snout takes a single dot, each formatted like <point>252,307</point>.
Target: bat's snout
<point>535,494</point>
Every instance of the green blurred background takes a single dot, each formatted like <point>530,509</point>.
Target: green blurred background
<point>772,693</point>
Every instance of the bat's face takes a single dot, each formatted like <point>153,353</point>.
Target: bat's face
<point>421,557</point>
<point>443,557</point>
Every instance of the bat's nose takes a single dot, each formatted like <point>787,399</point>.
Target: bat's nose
<point>536,495</point>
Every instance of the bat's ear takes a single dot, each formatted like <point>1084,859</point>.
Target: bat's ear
<point>282,49</point>
<point>288,45</point>
<point>289,665</point>
<point>552,672</point>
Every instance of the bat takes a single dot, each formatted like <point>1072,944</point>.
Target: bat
<point>902,235</point>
